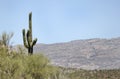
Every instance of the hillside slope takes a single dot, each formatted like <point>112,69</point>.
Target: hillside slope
<point>86,54</point>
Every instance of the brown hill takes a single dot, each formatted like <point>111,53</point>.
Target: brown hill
<point>86,54</point>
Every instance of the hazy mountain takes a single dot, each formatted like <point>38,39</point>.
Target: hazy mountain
<point>86,54</point>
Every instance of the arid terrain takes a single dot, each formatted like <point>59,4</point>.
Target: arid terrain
<point>86,54</point>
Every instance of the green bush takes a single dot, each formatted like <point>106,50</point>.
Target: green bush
<point>14,65</point>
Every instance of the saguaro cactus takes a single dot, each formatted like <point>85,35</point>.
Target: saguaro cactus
<point>27,37</point>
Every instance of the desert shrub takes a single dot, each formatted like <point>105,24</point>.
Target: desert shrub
<point>5,38</point>
<point>16,65</point>
<point>94,74</point>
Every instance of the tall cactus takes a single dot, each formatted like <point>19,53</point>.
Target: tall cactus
<point>27,37</point>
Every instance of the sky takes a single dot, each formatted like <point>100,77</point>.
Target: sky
<point>61,20</point>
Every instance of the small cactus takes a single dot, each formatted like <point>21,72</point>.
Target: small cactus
<point>27,37</point>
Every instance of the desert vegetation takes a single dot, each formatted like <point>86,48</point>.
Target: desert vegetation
<point>27,37</point>
<point>94,74</point>
<point>19,65</point>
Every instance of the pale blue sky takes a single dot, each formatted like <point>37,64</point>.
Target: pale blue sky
<point>61,20</point>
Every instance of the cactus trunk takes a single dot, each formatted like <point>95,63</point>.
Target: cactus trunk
<point>27,37</point>
<point>30,50</point>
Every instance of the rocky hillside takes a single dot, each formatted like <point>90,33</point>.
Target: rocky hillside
<point>86,54</point>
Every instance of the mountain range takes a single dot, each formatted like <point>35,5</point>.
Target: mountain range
<point>87,54</point>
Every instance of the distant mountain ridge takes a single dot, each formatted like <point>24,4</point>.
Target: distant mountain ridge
<point>86,54</point>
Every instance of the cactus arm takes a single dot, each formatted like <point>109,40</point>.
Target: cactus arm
<point>28,38</point>
<point>34,42</point>
<point>24,39</point>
